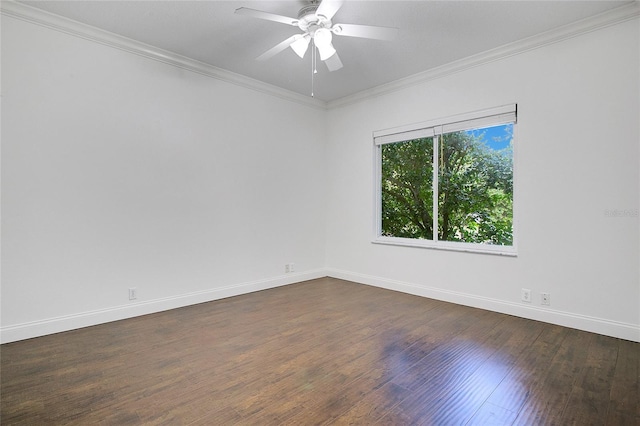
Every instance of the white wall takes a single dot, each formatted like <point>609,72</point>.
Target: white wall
<point>577,151</point>
<point>119,171</point>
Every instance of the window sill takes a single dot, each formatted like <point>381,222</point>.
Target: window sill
<point>448,245</point>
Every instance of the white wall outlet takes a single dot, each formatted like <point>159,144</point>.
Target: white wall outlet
<point>525,295</point>
<point>292,267</point>
<point>289,267</point>
<point>545,299</point>
<point>133,293</point>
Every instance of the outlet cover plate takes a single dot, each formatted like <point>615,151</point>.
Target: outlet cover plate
<point>545,299</point>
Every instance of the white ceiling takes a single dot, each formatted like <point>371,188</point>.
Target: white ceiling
<point>431,34</point>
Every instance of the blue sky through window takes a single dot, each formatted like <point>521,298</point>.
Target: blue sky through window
<point>495,137</point>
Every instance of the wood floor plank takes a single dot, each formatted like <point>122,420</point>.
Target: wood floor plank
<point>493,363</point>
<point>492,415</point>
<point>513,391</point>
<point>624,401</point>
<point>374,406</point>
<point>321,352</point>
<point>549,396</point>
<point>456,390</point>
<point>589,399</point>
<point>452,351</point>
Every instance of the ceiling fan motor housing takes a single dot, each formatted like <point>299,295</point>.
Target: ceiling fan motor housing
<point>307,19</point>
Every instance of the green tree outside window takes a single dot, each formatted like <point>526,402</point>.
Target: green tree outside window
<point>474,190</point>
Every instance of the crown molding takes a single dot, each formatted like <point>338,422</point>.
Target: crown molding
<point>612,17</point>
<point>87,32</point>
<point>68,26</point>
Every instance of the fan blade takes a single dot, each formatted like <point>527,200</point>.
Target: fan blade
<point>333,63</point>
<point>365,31</point>
<point>278,48</point>
<point>328,8</point>
<point>266,15</point>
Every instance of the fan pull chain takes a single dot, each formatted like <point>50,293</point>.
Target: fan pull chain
<point>313,65</point>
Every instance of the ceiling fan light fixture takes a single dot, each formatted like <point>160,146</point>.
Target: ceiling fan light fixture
<point>301,45</point>
<point>326,52</point>
<point>322,37</point>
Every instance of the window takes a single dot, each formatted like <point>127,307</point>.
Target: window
<point>448,183</point>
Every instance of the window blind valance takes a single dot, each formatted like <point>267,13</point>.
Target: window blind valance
<point>473,120</point>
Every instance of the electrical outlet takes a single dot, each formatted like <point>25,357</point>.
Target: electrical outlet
<point>289,268</point>
<point>545,299</point>
<point>525,295</point>
<point>292,267</point>
<point>133,293</point>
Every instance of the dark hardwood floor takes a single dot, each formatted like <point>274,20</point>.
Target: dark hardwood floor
<point>322,352</point>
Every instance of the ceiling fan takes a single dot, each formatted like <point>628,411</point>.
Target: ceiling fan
<point>314,20</point>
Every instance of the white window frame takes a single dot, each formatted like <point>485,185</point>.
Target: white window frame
<point>435,128</point>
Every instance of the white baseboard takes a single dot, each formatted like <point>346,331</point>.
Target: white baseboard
<point>581,322</point>
<point>29,330</point>
<point>85,319</point>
